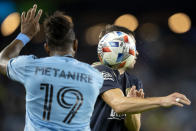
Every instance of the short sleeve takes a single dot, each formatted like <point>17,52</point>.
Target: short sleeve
<point>110,80</point>
<point>16,68</point>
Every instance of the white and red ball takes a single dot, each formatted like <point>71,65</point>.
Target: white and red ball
<point>117,49</point>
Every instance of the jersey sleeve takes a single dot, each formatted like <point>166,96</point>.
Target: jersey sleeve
<point>110,80</point>
<point>17,68</point>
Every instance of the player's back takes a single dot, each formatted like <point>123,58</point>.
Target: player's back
<point>60,92</point>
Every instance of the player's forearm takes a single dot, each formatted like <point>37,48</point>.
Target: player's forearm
<point>137,105</point>
<point>132,122</point>
<point>11,51</point>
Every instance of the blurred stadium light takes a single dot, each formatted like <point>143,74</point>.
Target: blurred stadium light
<point>179,23</point>
<point>127,20</point>
<point>10,24</point>
<point>92,34</point>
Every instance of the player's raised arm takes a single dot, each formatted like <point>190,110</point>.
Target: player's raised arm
<point>29,28</point>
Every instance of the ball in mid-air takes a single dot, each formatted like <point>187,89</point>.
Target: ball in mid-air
<point>117,50</point>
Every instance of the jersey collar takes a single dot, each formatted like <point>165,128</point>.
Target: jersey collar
<point>68,56</point>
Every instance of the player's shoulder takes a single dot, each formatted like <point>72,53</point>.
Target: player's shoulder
<point>23,59</point>
<point>107,72</point>
<point>27,57</point>
<point>87,66</point>
<point>102,67</point>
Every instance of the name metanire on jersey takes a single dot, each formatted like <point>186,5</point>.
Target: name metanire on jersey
<point>54,72</point>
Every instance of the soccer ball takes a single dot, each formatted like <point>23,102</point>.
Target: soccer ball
<point>117,50</point>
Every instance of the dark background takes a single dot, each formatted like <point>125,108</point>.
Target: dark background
<point>166,64</point>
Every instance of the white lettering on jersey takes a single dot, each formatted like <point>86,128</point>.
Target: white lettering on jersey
<point>114,115</point>
<point>107,76</point>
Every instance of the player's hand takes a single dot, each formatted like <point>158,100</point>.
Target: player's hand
<point>140,93</point>
<point>30,22</point>
<point>175,99</point>
<point>134,93</point>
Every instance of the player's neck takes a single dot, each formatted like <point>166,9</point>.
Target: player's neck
<point>61,53</point>
<point>121,71</point>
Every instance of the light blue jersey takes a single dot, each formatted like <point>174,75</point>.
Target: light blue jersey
<point>60,92</point>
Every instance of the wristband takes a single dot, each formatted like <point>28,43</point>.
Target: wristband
<point>24,38</point>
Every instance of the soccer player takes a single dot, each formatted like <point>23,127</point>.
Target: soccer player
<point>60,90</point>
<point>118,107</point>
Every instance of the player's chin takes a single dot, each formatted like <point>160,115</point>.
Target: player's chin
<point>133,63</point>
<point>131,66</point>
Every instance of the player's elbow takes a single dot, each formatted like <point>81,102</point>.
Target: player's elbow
<point>1,59</point>
<point>0,56</point>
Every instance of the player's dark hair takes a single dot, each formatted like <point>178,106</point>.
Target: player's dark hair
<point>110,28</point>
<point>59,31</point>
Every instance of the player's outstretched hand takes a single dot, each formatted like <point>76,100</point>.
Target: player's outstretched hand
<point>175,99</point>
<point>134,93</point>
<point>30,22</point>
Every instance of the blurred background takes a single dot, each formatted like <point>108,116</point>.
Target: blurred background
<point>166,40</point>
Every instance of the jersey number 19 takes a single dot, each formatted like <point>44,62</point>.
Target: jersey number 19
<point>61,101</point>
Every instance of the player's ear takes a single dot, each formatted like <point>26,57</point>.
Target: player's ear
<point>46,47</point>
<point>75,45</point>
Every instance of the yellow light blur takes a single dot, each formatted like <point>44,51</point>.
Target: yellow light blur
<point>92,34</point>
<point>127,20</point>
<point>10,24</point>
<point>179,23</point>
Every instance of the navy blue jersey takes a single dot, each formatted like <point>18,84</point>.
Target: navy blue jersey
<point>104,118</point>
